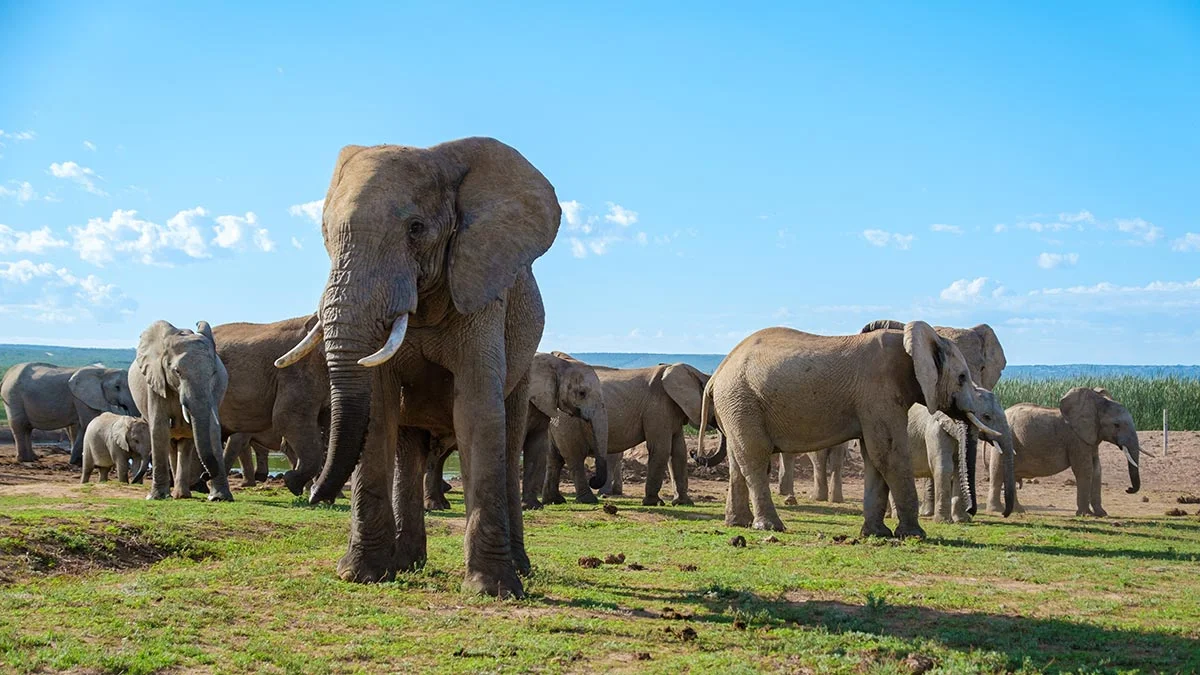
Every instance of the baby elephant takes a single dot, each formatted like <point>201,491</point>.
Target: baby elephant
<point>113,439</point>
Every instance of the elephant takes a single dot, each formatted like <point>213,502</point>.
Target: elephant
<point>112,440</point>
<point>559,385</point>
<point>431,253</point>
<point>1050,440</point>
<point>785,390</point>
<point>827,464</point>
<point>178,382</point>
<point>43,396</point>
<point>649,405</point>
<point>262,399</point>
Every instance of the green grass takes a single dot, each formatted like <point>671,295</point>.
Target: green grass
<point>250,586</point>
<point>1144,397</point>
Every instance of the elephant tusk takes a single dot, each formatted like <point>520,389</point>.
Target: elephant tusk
<point>187,417</point>
<point>981,426</point>
<point>1129,457</point>
<point>389,348</point>
<point>302,349</point>
<point>1147,453</point>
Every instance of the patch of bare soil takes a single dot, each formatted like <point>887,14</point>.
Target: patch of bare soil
<point>72,548</point>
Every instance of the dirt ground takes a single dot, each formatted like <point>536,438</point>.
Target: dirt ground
<point>1163,479</point>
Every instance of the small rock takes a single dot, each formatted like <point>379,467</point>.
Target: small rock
<point>589,562</point>
<point>688,568</point>
<point>918,663</point>
<point>610,508</point>
<point>617,559</point>
<point>642,656</point>
<point>1070,482</point>
<point>635,567</point>
<point>739,625</point>
<point>738,542</point>
<point>772,539</point>
<point>1145,499</point>
<point>1176,512</point>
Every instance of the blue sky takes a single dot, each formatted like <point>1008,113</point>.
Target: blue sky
<point>721,170</point>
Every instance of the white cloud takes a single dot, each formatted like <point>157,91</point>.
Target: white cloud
<point>882,238</point>
<point>572,212</point>
<point>620,215</point>
<point>35,241</point>
<point>970,290</point>
<point>641,238</point>
<point>1188,243</point>
<point>1144,232</point>
<point>54,294</point>
<point>22,193</point>
<point>310,210</point>
<point>1038,226</point>
<point>781,313</point>
<point>1049,261</point>
<point>241,233</point>
<point>82,175</point>
<point>1000,227</point>
<point>950,229</point>
<point>577,248</point>
<point>89,145</point>
<point>1080,217</point>
<point>296,243</point>
<point>125,234</point>
<point>16,136</point>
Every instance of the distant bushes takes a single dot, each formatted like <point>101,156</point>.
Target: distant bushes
<point>1144,397</point>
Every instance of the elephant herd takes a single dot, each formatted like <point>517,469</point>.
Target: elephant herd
<point>424,342</point>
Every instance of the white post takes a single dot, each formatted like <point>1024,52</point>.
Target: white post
<point>1166,432</point>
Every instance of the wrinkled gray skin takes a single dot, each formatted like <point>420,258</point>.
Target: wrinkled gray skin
<point>441,238</point>
<point>649,405</point>
<point>113,440</point>
<point>1050,440</point>
<point>559,385</point>
<point>827,469</point>
<point>178,383</point>
<point>42,396</point>
<point>823,390</point>
<point>263,399</point>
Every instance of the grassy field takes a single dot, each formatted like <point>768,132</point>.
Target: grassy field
<point>101,582</point>
<point>1144,397</point>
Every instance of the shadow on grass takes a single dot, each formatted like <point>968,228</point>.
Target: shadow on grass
<point>1045,644</point>
<point>1075,551</point>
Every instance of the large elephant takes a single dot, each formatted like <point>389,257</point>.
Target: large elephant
<point>1050,440</point>
<point>782,389</point>
<point>42,396</point>
<point>559,386</point>
<point>178,382</point>
<point>262,399</point>
<point>431,252</point>
<point>111,441</point>
<point>985,358</point>
<point>649,405</point>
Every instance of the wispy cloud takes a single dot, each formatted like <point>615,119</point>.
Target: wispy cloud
<point>34,242</point>
<point>1188,243</point>
<point>949,229</point>
<point>1049,261</point>
<point>883,238</point>
<point>1144,232</point>
<point>23,193</point>
<point>310,211</point>
<point>589,234</point>
<point>85,177</point>
<point>89,145</point>
<point>126,235</point>
<point>965,291</point>
<point>620,215</point>
<point>54,294</point>
<point>241,233</point>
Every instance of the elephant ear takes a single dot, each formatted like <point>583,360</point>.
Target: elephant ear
<point>150,360</point>
<point>994,360</point>
<point>120,432</point>
<point>685,386</point>
<point>87,387</point>
<point>1080,407</point>
<point>1103,392</point>
<point>508,216</point>
<point>543,383</point>
<point>204,329</point>
<point>925,348</point>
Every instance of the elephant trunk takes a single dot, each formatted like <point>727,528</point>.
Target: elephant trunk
<point>350,410</point>
<point>968,450</point>
<point>714,459</point>
<point>206,432</point>
<point>599,429</point>
<point>1132,452</point>
<point>1008,457</point>
<point>139,472</point>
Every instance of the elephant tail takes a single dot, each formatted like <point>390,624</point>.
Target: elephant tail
<point>706,403</point>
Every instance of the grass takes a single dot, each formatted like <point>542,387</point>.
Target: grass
<point>250,586</point>
<point>1144,397</point>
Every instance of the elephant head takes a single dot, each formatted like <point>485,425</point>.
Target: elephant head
<point>183,363</point>
<point>991,414</point>
<point>979,346</point>
<point>132,434</point>
<point>561,383</point>
<point>413,235</point>
<point>103,389</point>
<point>1094,416</point>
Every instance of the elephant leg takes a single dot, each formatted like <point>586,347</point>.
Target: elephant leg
<point>1082,468</point>
<point>23,437</point>
<point>371,554</point>
<point>995,481</point>
<point>262,460</point>
<point>104,471</point>
<point>756,471</point>
<point>787,478</point>
<point>122,465</point>
<point>837,460</point>
<point>679,471</point>
<point>88,465</point>
<point>658,450</point>
<point>479,427</point>
<point>579,476</point>
<point>820,460</point>
<point>943,486</point>
<point>237,447</point>
<point>875,498</point>
<point>85,416</point>
<point>516,418</point>
<point>299,426</point>
<point>408,498</point>
<point>551,493</point>
<point>435,493</point>
<point>1097,509</point>
<point>615,485</point>
<point>183,469</point>
<point>737,501</point>
<point>160,451</point>
<point>535,459</point>
<point>897,472</point>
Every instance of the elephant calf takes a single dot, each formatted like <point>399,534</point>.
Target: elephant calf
<point>1050,440</point>
<point>112,440</point>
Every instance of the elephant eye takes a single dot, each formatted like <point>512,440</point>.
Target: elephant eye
<point>416,228</point>
<point>962,378</point>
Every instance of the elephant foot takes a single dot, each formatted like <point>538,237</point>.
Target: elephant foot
<point>366,567</point>
<point>556,499</point>
<point>995,507</point>
<point>531,504</point>
<point>821,497</point>
<point>521,563</point>
<point>738,519</point>
<point>683,501</point>
<point>410,557</point>
<point>772,524</point>
<point>159,494</point>
<point>653,501</point>
<point>439,503</point>
<point>220,496</point>
<point>941,518</point>
<point>876,530</point>
<point>608,492</point>
<point>295,482</point>
<point>248,483</point>
<point>962,517</point>
<point>180,493</point>
<point>927,511</point>
<point>503,583</point>
<point>837,498</point>
<point>262,477</point>
<point>909,531</point>
<point>790,501</point>
<point>586,498</point>
<point>446,486</point>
